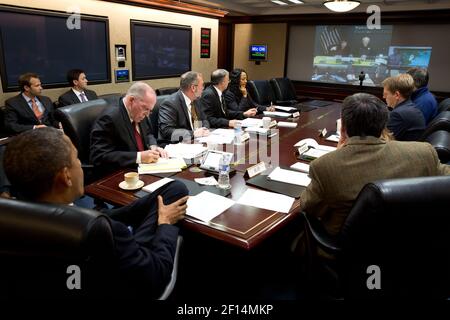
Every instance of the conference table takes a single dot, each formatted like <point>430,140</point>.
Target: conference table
<point>242,226</point>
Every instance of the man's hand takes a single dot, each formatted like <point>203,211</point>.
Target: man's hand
<point>250,112</point>
<point>149,156</point>
<point>201,132</point>
<point>270,108</point>
<point>173,212</point>
<point>232,123</point>
<point>39,126</point>
<point>243,91</point>
<point>162,153</point>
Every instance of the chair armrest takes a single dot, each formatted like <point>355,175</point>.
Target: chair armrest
<point>322,238</point>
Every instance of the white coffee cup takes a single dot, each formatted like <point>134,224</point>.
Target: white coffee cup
<point>131,179</point>
<point>266,122</point>
<point>338,126</point>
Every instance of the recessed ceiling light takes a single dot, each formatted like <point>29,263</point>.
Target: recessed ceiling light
<point>296,1</point>
<point>281,3</point>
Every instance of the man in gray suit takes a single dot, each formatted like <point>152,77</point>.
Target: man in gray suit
<point>181,115</point>
<point>362,157</point>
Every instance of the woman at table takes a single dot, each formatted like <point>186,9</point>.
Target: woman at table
<point>237,96</point>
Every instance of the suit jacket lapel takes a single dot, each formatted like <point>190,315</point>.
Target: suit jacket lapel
<point>127,122</point>
<point>185,110</point>
<point>74,97</point>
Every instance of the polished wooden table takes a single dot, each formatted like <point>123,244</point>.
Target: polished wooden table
<point>242,226</point>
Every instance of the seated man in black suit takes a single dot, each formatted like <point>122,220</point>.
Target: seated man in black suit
<point>406,122</point>
<point>29,110</point>
<point>79,92</point>
<point>122,135</point>
<point>180,116</point>
<point>144,253</point>
<point>215,106</point>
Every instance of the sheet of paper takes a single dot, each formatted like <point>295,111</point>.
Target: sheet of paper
<point>315,153</point>
<point>209,181</point>
<point>287,109</point>
<point>277,114</point>
<point>156,185</point>
<point>252,122</point>
<point>313,143</point>
<point>300,166</point>
<point>266,200</point>
<point>218,136</point>
<point>289,176</point>
<point>333,138</point>
<point>206,205</point>
<point>185,150</point>
<point>287,124</point>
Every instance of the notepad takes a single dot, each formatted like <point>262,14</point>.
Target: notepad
<point>287,124</point>
<point>289,176</point>
<point>162,166</point>
<point>185,150</point>
<point>277,114</point>
<point>206,205</point>
<point>300,166</point>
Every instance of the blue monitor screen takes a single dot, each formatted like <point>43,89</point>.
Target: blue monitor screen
<point>258,52</point>
<point>405,57</point>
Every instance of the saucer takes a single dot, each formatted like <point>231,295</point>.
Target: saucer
<point>123,185</point>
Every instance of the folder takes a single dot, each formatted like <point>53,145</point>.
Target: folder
<point>287,189</point>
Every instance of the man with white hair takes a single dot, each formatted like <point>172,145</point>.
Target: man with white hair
<point>122,136</point>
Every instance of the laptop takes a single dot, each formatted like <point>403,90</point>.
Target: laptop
<point>211,161</point>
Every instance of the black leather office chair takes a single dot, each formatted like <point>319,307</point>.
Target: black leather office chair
<point>77,121</point>
<point>166,91</point>
<point>112,98</point>
<point>284,91</point>
<point>261,92</point>
<point>39,243</point>
<point>400,225</point>
<point>440,122</point>
<point>440,140</point>
<point>444,105</point>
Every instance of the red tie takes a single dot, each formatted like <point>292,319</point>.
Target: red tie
<point>138,137</point>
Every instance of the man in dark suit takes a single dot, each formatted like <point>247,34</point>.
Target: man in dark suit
<point>122,135</point>
<point>29,110</point>
<point>406,122</point>
<point>214,104</point>
<point>79,92</point>
<point>180,116</point>
<point>144,251</point>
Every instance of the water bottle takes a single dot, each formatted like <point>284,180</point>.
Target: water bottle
<point>224,173</point>
<point>237,133</point>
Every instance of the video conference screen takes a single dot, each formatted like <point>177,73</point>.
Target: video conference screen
<point>160,50</point>
<point>343,53</point>
<point>41,42</point>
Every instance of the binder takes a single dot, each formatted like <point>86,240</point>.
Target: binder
<point>261,181</point>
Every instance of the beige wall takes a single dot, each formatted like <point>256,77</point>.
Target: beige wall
<point>272,34</point>
<point>119,33</point>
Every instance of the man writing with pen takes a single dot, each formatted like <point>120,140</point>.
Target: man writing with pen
<point>122,136</point>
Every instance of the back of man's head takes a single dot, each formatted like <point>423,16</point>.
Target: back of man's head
<point>218,75</point>
<point>188,79</point>
<point>403,83</point>
<point>363,115</point>
<point>420,76</point>
<point>33,159</point>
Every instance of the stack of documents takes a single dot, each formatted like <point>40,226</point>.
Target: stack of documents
<point>289,176</point>
<point>206,205</point>
<point>300,166</point>
<point>333,138</point>
<point>185,150</point>
<point>277,114</point>
<point>266,200</point>
<point>287,124</point>
<point>162,166</point>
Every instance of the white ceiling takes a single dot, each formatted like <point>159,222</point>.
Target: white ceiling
<point>266,7</point>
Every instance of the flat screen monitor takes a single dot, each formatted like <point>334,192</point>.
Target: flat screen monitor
<point>160,50</point>
<point>258,52</point>
<point>404,57</point>
<point>45,43</point>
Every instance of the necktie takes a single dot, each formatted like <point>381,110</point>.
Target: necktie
<point>137,137</point>
<point>36,110</point>
<point>83,97</point>
<point>194,116</point>
<point>222,104</point>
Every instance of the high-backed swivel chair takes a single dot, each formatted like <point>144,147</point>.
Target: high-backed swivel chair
<point>401,227</point>
<point>284,91</point>
<point>77,121</point>
<point>261,92</point>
